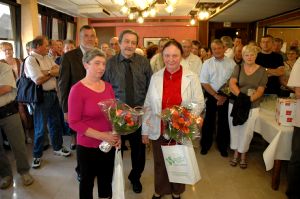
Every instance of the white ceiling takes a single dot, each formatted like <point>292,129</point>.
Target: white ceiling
<point>254,10</point>
<point>242,11</point>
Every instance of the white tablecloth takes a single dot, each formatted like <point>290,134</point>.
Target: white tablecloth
<point>279,137</point>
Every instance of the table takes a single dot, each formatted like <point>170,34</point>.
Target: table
<point>280,142</point>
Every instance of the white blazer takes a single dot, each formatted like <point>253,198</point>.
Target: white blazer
<point>191,92</point>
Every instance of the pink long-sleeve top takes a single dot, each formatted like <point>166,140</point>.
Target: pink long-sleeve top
<point>84,112</point>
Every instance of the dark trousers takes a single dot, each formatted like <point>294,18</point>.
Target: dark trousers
<point>137,155</point>
<point>95,163</point>
<point>161,179</point>
<point>209,125</point>
<point>293,175</point>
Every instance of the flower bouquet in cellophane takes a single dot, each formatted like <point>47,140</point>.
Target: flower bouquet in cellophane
<point>181,124</point>
<point>124,119</point>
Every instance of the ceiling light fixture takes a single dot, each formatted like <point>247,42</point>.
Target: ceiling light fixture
<point>143,8</point>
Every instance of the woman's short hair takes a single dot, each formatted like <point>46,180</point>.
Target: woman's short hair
<point>250,49</point>
<point>91,54</point>
<point>173,42</point>
<point>2,44</point>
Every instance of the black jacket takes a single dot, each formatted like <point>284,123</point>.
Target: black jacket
<point>115,75</point>
<point>240,110</point>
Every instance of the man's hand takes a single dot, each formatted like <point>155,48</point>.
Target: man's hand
<point>220,99</point>
<point>66,117</point>
<point>54,71</point>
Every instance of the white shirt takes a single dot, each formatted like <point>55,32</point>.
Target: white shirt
<point>216,72</point>
<point>294,81</point>
<point>7,78</point>
<point>192,63</point>
<point>33,69</point>
<point>229,53</point>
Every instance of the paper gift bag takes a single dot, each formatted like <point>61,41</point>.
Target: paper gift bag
<point>118,186</point>
<point>181,164</point>
<point>285,111</point>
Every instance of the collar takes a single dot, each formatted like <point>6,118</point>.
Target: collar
<point>82,50</point>
<point>37,55</point>
<point>168,75</point>
<point>121,58</point>
<point>219,60</point>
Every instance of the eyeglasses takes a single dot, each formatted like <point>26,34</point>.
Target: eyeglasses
<point>7,49</point>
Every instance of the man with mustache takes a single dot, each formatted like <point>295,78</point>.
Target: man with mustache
<point>129,74</point>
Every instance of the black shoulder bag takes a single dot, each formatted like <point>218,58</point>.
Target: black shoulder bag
<point>27,90</point>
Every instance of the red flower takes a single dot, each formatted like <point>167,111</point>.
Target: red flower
<point>118,112</point>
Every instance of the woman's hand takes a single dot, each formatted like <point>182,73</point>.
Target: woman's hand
<point>112,138</point>
<point>145,139</point>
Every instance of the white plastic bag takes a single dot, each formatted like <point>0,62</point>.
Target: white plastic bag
<point>118,186</point>
<point>181,164</point>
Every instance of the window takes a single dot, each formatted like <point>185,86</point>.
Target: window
<point>55,29</point>
<point>6,30</point>
<point>70,31</point>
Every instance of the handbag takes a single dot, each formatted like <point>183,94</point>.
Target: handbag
<point>181,164</point>
<point>118,186</point>
<point>27,90</point>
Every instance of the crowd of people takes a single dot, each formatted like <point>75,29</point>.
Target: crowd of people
<point>74,79</point>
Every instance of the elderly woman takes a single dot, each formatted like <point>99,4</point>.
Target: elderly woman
<point>92,127</point>
<point>292,55</point>
<point>172,85</point>
<point>249,79</point>
<point>7,50</point>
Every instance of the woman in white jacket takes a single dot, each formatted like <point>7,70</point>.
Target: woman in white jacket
<point>172,85</point>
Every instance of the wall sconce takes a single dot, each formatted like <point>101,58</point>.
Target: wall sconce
<point>193,21</point>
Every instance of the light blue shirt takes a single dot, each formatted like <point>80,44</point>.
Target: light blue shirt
<point>216,72</point>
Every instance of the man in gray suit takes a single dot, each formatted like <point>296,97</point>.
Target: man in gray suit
<point>72,69</point>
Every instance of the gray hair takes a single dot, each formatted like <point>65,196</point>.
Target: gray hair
<point>91,54</point>
<point>250,49</point>
<point>227,41</point>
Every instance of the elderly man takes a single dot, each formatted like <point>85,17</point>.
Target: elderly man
<point>54,51</point>
<point>43,71</point>
<point>72,70</point>
<point>156,61</point>
<point>215,74</point>
<point>129,74</point>
<point>10,122</point>
<point>293,174</point>
<point>104,46</point>
<point>272,62</point>
<point>114,44</point>
<point>189,60</point>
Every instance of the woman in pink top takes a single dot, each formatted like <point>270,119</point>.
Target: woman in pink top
<point>92,127</point>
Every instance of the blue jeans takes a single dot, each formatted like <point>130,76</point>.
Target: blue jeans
<point>47,113</point>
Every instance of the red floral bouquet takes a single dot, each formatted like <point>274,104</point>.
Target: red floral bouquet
<point>181,124</point>
<point>124,119</point>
